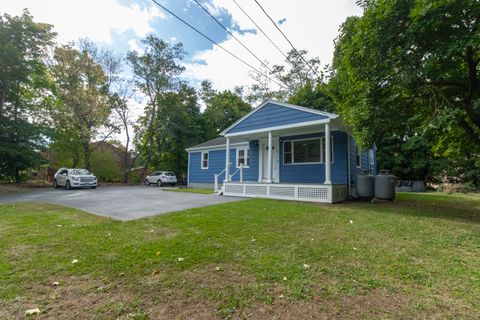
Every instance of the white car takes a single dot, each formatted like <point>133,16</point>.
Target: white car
<point>74,178</point>
<point>161,178</point>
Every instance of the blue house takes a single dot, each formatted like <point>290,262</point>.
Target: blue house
<point>278,150</point>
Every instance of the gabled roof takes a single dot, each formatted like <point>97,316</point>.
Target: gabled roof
<point>274,114</point>
<point>217,142</point>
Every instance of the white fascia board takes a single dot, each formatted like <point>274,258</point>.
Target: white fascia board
<point>283,104</point>
<point>287,126</point>
<point>217,147</point>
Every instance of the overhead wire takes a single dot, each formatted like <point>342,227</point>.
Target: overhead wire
<point>217,44</point>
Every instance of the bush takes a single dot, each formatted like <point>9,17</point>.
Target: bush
<point>106,167</point>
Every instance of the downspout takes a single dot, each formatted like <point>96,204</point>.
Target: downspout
<point>348,163</point>
<point>188,170</point>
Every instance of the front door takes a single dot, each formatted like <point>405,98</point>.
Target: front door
<point>275,160</point>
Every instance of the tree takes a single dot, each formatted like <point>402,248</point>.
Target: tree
<point>156,73</point>
<point>23,87</point>
<point>412,62</point>
<point>84,106</point>
<point>222,110</point>
<point>315,97</point>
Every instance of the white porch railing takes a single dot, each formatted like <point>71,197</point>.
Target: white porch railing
<point>241,173</point>
<point>215,180</point>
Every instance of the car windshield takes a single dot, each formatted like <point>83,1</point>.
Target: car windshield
<point>79,172</point>
<point>169,174</point>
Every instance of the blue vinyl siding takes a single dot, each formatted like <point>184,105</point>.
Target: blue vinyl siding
<point>273,115</point>
<point>216,163</point>
<point>315,173</point>
<point>354,170</point>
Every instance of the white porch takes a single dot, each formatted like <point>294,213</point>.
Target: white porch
<point>326,193</point>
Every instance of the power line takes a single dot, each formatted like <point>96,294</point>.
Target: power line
<point>266,36</point>
<point>217,44</point>
<point>224,28</point>
<point>286,38</point>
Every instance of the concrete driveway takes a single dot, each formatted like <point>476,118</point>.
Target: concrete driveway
<point>121,203</point>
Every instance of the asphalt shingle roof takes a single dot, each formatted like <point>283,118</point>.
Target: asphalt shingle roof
<point>218,141</point>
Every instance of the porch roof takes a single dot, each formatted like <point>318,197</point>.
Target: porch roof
<point>218,142</point>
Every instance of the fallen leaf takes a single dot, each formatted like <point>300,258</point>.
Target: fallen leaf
<point>55,284</point>
<point>121,274</point>
<point>181,259</point>
<point>306,266</point>
<point>351,221</point>
<point>31,312</point>
<point>74,261</point>
<point>59,225</point>
<point>355,248</point>
<point>109,234</point>
<point>281,296</point>
<point>254,240</point>
<point>218,268</point>
<point>154,272</point>
<point>157,253</point>
<point>284,278</point>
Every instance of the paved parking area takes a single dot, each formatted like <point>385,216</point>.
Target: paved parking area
<point>121,203</point>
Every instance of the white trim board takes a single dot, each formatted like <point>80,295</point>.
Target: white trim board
<point>287,126</point>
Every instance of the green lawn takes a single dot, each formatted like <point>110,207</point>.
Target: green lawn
<point>257,259</point>
<point>192,190</point>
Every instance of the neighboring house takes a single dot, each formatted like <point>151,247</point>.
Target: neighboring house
<point>278,151</point>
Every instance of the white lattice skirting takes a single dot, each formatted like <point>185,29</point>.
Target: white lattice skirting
<point>316,193</point>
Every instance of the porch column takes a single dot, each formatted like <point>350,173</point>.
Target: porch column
<point>269,167</point>
<point>227,161</point>
<point>328,162</point>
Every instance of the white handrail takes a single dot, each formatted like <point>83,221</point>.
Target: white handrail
<point>215,180</point>
<point>241,173</point>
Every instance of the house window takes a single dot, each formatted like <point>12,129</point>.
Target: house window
<point>358,155</point>
<point>323,150</point>
<point>306,151</point>
<point>302,151</point>
<point>243,158</point>
<point>205,160</point>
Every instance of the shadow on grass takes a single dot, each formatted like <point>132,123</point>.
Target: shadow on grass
<point>455,207</point>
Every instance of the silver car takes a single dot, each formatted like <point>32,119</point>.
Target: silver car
<point>161,178</point>
<point>74,178</point>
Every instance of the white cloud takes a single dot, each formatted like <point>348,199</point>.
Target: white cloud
<point>310,25</point>
<point>94,19</point>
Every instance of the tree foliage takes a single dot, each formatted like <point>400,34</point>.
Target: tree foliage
<point>23,80</point>
<point>83,106</point>
<point>410,68</point>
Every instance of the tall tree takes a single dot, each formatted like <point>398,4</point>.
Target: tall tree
<point>315,97</point>
<point>23,92</point>
<point>84,106</point>
<point>414,62</point>
<point>222,109</point>
<point>156,73</point>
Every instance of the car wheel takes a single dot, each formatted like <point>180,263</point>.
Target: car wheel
<point>55,184</point>
<point>146,182</point>
<point>68,185</point>
<point>159,183</point>
<point>174,184</point>
<point>94,187</point>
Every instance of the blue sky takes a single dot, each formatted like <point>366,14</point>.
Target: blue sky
<point>121,24</point>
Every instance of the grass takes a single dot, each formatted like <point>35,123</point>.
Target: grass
<point>192,190</point>
<point>261,259</point>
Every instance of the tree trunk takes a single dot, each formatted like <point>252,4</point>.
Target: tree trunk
<point>17,174</point>
<point>126,165</point>
<point>86,152</point>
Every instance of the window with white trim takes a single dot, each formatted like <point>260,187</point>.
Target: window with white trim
<point>243,157</point>
<point>358,155</point>
<point>306,151</point>
<point>204,160</point>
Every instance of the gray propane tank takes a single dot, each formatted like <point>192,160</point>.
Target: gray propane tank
<point>365,185</point>
<point>385,185</point>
